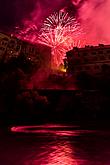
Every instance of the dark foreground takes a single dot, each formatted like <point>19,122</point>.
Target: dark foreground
<point>88,144</point>
<point>77,107</point>
<point>55,146</point>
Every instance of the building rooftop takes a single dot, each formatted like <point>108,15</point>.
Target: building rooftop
<point>92,47</point>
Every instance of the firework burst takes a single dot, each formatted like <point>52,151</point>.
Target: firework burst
<point>61,32</point>
<point>58,19</point>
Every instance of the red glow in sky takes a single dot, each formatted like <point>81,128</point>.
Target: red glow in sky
<point>92,16</point>
<point>59,31</point>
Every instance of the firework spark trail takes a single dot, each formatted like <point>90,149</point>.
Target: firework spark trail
<point>61,32</point>
<point>59,19</point>
<point>28,33</point>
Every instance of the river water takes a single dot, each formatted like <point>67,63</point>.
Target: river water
<point>54,145</point>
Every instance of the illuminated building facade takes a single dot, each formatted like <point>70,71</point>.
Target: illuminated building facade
<point>11,46</point>
<point>90,59</point>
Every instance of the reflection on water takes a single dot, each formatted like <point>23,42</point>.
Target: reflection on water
<point>59,145</point>
<point>59,153</point>
<point>59,130</point>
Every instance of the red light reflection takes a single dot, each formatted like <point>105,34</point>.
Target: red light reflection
<point>62,155</point>
<point>58,130</point>
<point>57,149</point>
<point>57,153</point>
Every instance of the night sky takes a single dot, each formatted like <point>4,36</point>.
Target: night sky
<point>12,12</point>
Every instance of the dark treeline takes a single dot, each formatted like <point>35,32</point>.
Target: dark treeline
<point>19,105</point>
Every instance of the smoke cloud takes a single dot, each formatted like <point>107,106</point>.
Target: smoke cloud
<point>94,17</point>
<point>75,2</point>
